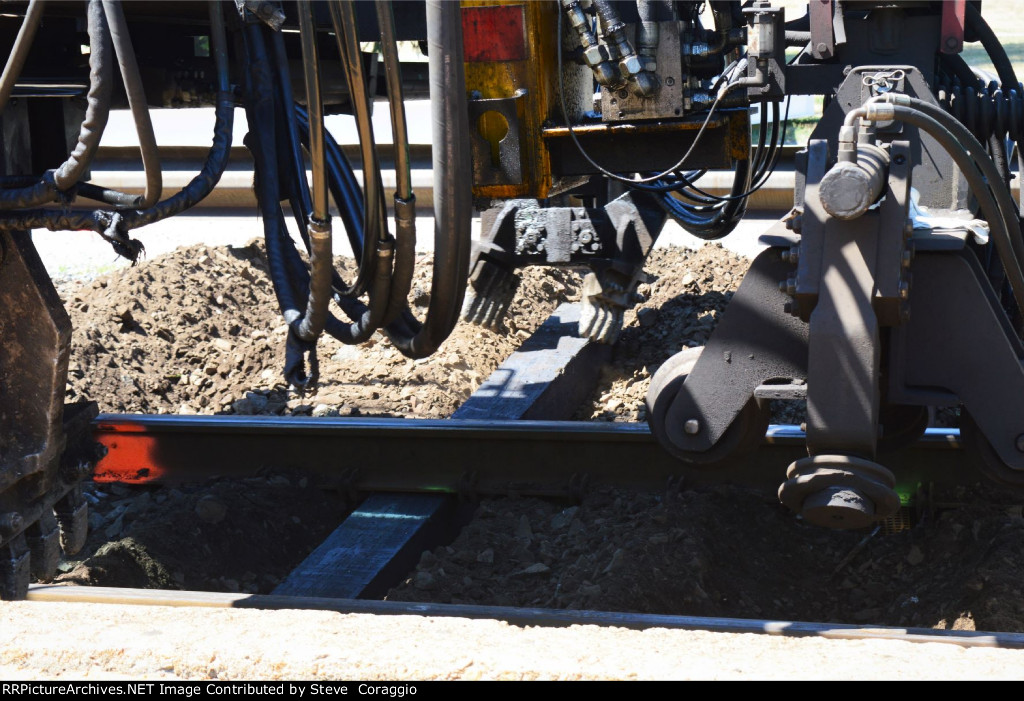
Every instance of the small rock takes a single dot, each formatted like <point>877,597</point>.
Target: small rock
<point>424,581</point>
<point>618,557</point>
<point>322,410</point>
<point>222,343</point>
<point>523,529</point>
<point>210,509</point>
<point>427,559</point>
<point>332,399</point>
<point>113,531</point>
<point>646,317</point>
<point>536,568</point>
<point>590,589</point>
<point>915,556</point>
<point>486,556</point>
<point>186,410</point>
<point>563,518</point>
<point>687,279</point>
<point>658,539</point>
<point>347,353</point>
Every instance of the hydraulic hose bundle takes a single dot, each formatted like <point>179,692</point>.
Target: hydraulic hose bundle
<point>108,37</point>
<point>280,131</point>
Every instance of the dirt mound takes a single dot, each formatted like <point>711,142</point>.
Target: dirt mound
<point>199,332</point>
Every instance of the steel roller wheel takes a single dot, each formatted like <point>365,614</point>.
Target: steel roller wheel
<point>741,438</point>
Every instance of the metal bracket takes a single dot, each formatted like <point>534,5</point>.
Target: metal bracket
<point>509,168</point>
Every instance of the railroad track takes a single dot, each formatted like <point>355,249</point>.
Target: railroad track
<point>519,616</point>
<point>440,458</point>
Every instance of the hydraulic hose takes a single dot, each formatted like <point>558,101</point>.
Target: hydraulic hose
<point>97,111</point>
<point>309,327</point>
<point>986,164</point>
<point>261,141</point>
<point>19,51</point>
<point>217,159</point>
<point>405,200</point>
<point>976,167</point>
<point>136,93</point>
<point>452,191</point>
<point>1004,67</point>
<point>374,230</point>
<point>114,225</point>
<point>299,195</point>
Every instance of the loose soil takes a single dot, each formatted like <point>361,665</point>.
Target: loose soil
<point>198,331</point>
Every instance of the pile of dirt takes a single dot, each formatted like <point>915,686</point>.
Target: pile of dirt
<point>729,551</point>
<point>681,304</point>
<point>198,331</point>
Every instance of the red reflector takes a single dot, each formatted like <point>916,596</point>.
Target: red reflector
<point>493,33</point>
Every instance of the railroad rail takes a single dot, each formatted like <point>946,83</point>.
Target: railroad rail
<point>474,457</point>
<point>521,616</point>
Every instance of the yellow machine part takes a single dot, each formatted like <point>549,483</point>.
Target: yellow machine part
<point>511,62</point>
<point>510,58</point>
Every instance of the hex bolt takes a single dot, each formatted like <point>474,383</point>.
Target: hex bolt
<point>1020,443</point>
<point>670,81</point>
<point>11,523</point>
<point>691,427</point>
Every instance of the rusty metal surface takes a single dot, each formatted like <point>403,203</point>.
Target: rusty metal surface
<point>535,79</point>
<point>37,487</point>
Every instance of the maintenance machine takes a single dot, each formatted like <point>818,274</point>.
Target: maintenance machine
<point>893,286</point>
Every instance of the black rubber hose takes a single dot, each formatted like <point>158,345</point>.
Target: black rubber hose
<point>98,100</point>
<point>998,210</point>
<point>197,189</point>
<point>136,93</point>
<point>96,113</point>
<point>452,187</point>
<point>202,184</point>
<point>718,225</point>
<point>405,200</point>
<point>1004,67</point>
<point>348,197</point>
<point>259,107</point>
<point>374,228</point>
<point>976,24</point>
<point>19,51</point>
<point>311,324</point>
<point>301,200</point>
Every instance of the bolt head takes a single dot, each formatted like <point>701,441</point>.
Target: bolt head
<point>593,55</point>
<point>630,65</point>
<point>1020,443</point>
<point>691,427</point>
